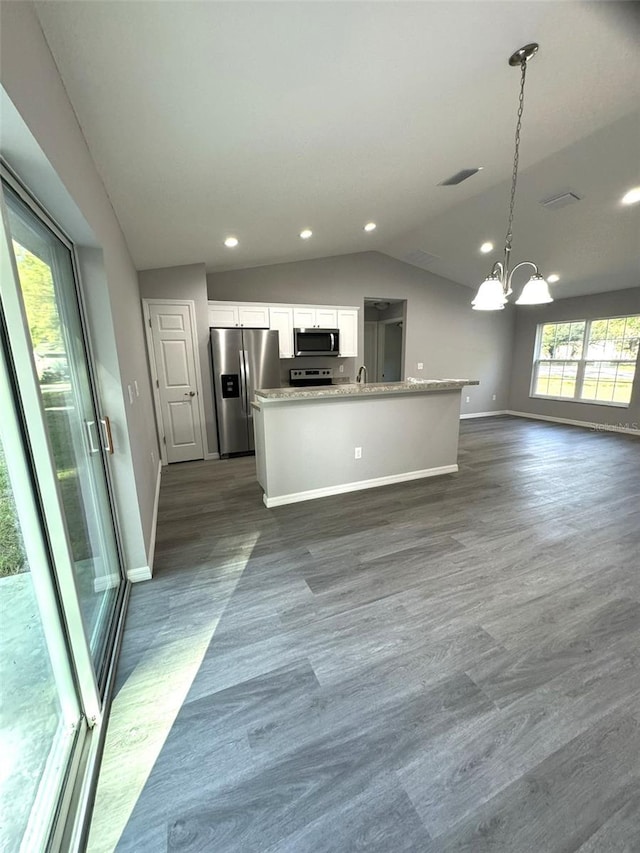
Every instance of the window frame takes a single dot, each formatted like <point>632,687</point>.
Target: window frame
<point>581,363</point>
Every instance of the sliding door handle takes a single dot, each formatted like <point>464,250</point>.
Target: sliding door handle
<point>90,426</point>
<point>106,435</point>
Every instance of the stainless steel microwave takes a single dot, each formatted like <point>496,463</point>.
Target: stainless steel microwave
<point>316,342</point>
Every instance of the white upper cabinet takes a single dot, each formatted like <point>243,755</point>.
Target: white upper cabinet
<point>254,316</point>
<point>223,314</point>
<point>281,319</point>
<point>226,315</point>
<point>303,317</point>
<point>348,326</point>
<point>285,318</point>
<point>308,317</point>
<point>326,318</point>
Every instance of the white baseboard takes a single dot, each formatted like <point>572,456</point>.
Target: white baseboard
<point>208,456</point>
<point>483,414</point>
<point>585,424</point>
<point>154,525</point>
<point>326,491</point>
<point>142,573</point>
<point>103,582</point>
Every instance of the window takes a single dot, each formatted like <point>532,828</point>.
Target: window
<point>589,360</point>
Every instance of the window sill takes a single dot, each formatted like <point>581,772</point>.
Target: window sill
<point>577,400</point>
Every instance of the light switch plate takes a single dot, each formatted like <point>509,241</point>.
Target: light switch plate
<point>130,390</point>
<point>420,365</point>
<point>135,385</point>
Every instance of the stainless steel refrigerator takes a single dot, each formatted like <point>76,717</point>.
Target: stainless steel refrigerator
<point>243,360</point>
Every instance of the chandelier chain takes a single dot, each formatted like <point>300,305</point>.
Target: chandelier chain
<point>516,157</point>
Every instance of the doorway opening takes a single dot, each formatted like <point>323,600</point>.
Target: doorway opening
<point>384,324</point>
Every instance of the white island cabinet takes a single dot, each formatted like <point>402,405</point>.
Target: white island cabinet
<point>315,442</point>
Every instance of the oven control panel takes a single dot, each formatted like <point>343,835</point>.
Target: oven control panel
<point>311,376</point>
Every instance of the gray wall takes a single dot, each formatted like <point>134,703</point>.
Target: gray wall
<point>613,304</point>
<point>188,282</point>
<point>57,164</point>
<point>441,329</point>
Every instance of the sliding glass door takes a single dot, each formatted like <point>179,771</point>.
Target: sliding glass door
<point>61,578</point>
<point>40,714</point>
<point>78,437</point>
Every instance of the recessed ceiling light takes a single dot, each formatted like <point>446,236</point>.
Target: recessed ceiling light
<point>486,248</point>
<point>632,196</point>
<point>553,278</point>
<point>370,226</point>
<point>306,233</point>
<point>231,242</point>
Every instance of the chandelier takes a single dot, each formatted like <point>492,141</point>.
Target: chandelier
<point>494,290</point>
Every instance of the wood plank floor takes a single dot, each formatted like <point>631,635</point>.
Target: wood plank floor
<point>447,664</point>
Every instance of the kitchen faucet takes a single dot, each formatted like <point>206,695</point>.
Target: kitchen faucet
<point>362,372</point>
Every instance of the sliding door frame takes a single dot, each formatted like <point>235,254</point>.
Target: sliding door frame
<point>68,824</point>
<point>29,376</point>
<point>53,786</point>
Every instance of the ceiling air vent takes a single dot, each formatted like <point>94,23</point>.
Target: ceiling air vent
<point>459,177</point>
<point>419,258</point>
<point>562,200</point>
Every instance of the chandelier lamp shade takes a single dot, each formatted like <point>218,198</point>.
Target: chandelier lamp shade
<point>494,291</point>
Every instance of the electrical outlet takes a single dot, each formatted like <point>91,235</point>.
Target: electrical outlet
<point>130,390</point>
<point>341,368</point>
<point>494,397</point>
<point>358,453</point>
<point>135,385</point>
<point>420,365</point>
<point>467,399</point>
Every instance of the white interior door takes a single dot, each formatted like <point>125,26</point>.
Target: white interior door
<point>174,351</point>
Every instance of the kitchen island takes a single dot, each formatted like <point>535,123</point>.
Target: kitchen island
<point>315,442</point>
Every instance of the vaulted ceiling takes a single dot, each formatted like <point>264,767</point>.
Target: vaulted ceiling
<point>209,119</point>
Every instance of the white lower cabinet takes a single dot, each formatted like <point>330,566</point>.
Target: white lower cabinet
<point>281,319</point>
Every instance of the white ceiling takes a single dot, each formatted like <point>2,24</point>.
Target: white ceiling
<point>259,119</point>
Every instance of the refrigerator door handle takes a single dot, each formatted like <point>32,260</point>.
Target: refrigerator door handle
<point>248,382</point>
<point>243,381</point>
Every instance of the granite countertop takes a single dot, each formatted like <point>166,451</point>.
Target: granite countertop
<point>424,386</point>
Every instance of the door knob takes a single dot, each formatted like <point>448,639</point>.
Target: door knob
<point>189,393</point>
